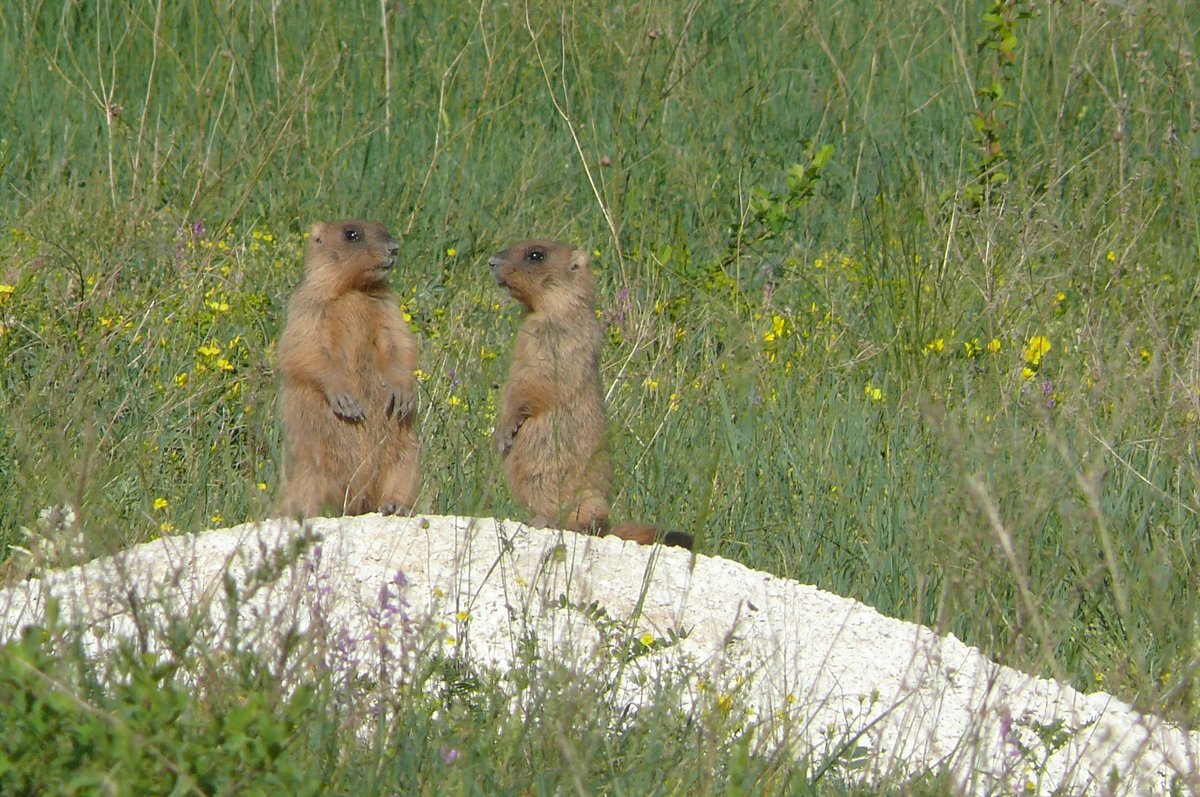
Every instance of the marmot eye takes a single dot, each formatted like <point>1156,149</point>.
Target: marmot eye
<point>351,234</point>
<point>536,255</point>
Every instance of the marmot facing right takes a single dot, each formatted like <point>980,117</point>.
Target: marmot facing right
<point>550,426</point>
<point>348,397</point>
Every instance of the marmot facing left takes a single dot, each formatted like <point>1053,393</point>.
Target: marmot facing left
<point>550,426</point>
<point>348,397</point>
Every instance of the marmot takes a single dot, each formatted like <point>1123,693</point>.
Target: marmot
<point>550,427</point>
<point>347,396</point>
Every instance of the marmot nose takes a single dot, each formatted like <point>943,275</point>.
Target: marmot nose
<point>393,249</point>
<point>495,260</point>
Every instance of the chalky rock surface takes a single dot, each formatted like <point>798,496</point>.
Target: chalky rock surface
<point>816,674</point>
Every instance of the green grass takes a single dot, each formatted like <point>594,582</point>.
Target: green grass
<point>800,371</point>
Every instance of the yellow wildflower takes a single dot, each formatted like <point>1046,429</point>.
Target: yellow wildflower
<point>209,350</point>
<point>994,345</point>
<point>161,503</point>
<point>1028,372</point>
<point>1110,256</point>
<point>261,486</point>
<point>451,252</point>
<point>778,330</point>
<point>936,345</point>
<point>647,639</point>
<point>872,392</point>
<point>1037,348</point>
<point>972,346</point>
<point>650,384</point>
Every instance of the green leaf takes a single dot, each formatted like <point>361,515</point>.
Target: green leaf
<point>822,156</point>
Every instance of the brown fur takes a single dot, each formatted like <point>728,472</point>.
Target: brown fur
<point>348,396</point>
<point>551,424</point>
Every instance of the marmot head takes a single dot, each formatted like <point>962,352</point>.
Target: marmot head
<point>545,276</point>
<point>354,254</point>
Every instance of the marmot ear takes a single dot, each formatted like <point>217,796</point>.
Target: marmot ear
<point>315,233</point>
<point>579,259</point>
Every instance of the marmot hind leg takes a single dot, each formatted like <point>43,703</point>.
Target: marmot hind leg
<point>306,494</point>
<point>398,484</point>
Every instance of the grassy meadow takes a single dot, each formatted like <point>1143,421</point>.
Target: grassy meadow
<point>902,301</point>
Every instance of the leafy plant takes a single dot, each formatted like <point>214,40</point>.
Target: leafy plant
<point>988,118</point>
